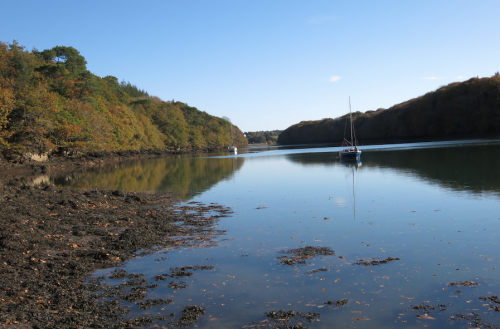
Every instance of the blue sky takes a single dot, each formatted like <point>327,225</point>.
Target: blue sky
<point>270,64</point>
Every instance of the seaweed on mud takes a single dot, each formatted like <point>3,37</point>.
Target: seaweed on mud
<point>427,308</point>
<point>374,261</point>
<point>473,319</point>
<point>160,277</point>
<point>493,300</point>
<point>118,193</point>
<point>139,321</point>
<point>189,315</point>
<point>285,319</point>
<point>340,302</point>
<point>300,255</point>
<point>151,302</point>
<point>122,274</point>
<point>118,274</point>
<point>84,230</point>
<point>53,240</point>
<point>134,282</point>
<point>135,294</point>
<point>184,271</point>
<point>195,212</point>
<point>463,284</point>
<point>317,270</point>
<point>177,284</point>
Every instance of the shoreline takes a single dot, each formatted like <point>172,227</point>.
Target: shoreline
<point>22,166</point>
<point>52,241</point>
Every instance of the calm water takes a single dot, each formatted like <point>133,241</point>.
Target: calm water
<point>435,206</point>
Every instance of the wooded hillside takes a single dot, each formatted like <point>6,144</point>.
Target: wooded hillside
<point>469,108</point>
<point>261,137</point>
<point>49,100</point>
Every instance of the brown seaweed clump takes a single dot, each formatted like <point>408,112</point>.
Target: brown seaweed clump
<point>282,319</point>
<point>494,302</point>
<point>374,261</point>
<point>300,255</point>
<point>340,302</point>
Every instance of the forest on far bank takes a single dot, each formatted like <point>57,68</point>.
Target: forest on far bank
<point>50,101</point>
<point>263,137</point>
<point>457,110</point>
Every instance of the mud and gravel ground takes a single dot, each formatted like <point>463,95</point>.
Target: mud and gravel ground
<point>52,240</point>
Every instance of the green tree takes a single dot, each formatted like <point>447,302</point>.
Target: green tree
<point>67,57</point>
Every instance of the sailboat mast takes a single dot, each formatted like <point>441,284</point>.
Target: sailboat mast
<point>350,116</point>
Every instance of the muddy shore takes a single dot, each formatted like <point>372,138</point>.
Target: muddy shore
<point>52,241</point>
<point>24,166</point>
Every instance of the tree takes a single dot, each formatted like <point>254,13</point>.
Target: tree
<point>67,57</point>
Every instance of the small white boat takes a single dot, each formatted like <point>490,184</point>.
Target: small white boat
<point>350,149</point>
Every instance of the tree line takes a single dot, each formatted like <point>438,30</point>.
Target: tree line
<point>263,137</point>
<point>457,110</point>
<point>50,101</point>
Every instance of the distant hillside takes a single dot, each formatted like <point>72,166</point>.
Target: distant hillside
<point>50,101</point>
<point>457,110</point>
<point>261,137</point>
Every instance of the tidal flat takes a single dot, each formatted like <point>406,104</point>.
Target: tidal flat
<point>281,237</point>
<point>53,240</point>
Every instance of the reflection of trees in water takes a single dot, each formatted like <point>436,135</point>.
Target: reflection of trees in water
<point>467,168</point>
<point>318,159</point>
<point>183,176</point>
<point>463,168</point>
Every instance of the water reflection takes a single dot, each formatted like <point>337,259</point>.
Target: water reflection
<point>184,176</point>
<point>352,164</point>
<point>464,168</point>
<point>410,241</point>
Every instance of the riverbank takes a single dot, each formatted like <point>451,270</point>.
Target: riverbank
<point>24,166</point>
<point>52,241</point>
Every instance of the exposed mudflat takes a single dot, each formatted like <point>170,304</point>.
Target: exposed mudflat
<point>52,240</point>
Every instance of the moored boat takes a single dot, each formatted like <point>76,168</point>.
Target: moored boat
<point>349,149</point>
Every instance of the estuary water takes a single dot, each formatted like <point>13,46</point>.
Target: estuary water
<point>406,238</point>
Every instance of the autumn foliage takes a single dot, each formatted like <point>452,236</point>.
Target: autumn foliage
<point>49,101</point>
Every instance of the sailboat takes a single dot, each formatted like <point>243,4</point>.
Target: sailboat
<point>233,147</point>
<point>350,149</point>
